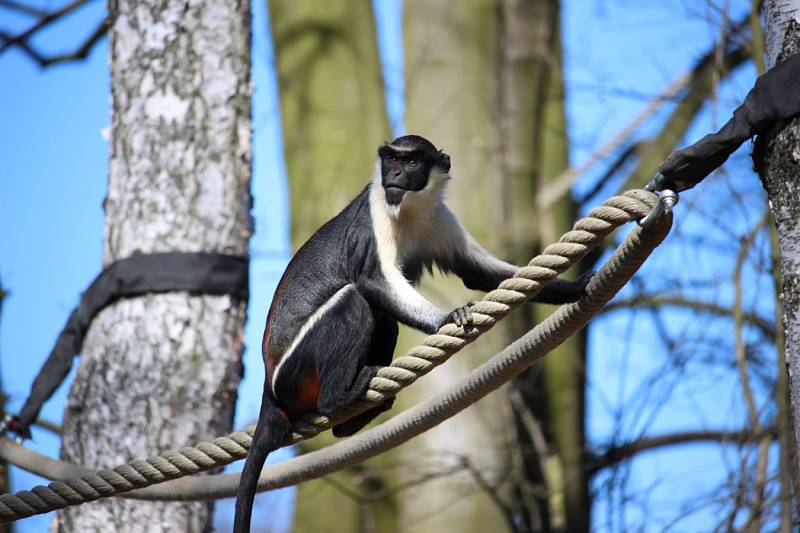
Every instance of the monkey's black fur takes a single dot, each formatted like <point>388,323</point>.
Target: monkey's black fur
<point>334,318</point>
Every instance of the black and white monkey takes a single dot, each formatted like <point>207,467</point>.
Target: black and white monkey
<point>333,320</point>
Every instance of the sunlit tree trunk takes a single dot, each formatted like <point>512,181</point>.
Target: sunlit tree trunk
<point>332,104</point>
<point>334,118</point>
<point>777,159</point>
<point>484,82</point>
<point>453,98</point>
<point>161,371</point>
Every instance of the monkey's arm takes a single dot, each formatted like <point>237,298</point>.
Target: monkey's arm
<point>402,302</point>
<point>482,271</point>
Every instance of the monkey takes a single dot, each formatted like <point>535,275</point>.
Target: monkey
<point>333,321</point>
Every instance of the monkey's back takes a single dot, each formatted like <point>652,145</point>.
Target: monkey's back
<point>341,252</point>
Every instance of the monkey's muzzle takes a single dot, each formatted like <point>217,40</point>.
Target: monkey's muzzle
<point>394,195</point>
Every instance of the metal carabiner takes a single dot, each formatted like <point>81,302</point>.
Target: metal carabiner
<point>666,201</point>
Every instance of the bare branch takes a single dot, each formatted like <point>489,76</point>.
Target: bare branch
<point>492,492</point>
<point>46,18</point>
<point>696,80</point>
<point>767,327</point>
<point>43,22</point>
<point>563,183</point>
<point>80,53</point>
<point>741,360</point>
<point>22,8</point>
<point>617,454</point>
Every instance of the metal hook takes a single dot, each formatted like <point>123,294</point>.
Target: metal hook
<point>666,201</point>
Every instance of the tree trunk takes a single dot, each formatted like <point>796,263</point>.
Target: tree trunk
<point>161,371</point>
<point>777,159</point>
<point>332,104</point>
<point>451,56</point>
<point>536,141</point>
<point>334,118</point>
<point>494,101</point>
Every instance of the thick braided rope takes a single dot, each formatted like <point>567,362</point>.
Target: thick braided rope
<point>434,350</point>
<point>488,377</point>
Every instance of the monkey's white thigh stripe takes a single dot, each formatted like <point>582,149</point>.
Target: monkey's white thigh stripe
<point>306,327</point>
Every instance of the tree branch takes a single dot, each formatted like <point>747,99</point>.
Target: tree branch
<point>79,54</point>
<point>22,8</point>
<point>767,327</point>
<point>696,80</point>
<point>46,18</point>
<point>622,452</point>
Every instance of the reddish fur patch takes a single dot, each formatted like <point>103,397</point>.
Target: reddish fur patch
<point>306,401</point>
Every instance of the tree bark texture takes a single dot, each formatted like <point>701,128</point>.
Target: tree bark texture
<point>777,159</point>
<point>161,371</point>
<point>334,118</point>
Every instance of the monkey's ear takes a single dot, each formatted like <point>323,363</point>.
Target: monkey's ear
<point>384,150</point>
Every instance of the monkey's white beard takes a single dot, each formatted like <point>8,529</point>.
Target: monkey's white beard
<point>421,202</point>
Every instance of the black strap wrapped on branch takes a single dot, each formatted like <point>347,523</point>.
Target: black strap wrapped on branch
<point>775,97</point>
<point>194,272</point>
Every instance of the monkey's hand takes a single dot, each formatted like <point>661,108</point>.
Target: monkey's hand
<point>561,291</point>
<point>460,316</point>
<point>584,280</point>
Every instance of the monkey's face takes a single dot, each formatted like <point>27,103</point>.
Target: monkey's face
<point>407,165</point>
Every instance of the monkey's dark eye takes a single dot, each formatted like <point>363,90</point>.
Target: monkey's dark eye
<point>392,158</point>
<point>412,163</point>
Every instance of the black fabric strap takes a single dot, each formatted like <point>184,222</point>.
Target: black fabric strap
<point>775,97</point>
<point>195,272</point>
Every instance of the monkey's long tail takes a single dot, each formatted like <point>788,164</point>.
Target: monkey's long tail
<point>271,431</point>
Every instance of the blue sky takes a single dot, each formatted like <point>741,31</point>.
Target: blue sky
<point>54,171</point>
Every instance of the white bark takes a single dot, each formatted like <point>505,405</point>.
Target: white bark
<point>777,157</point>
<point>161,371</point>
<point>777,14</point>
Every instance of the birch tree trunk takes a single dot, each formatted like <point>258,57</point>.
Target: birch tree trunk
<point>161,371</point>
<point>334,118</point>
<point>777,159</point>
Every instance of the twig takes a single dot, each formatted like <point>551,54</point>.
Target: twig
<point>492,492</point>
<point>23,8</point>
<point>80,53</point>
<point>757,507</point>
<point>43,22</point>
<point>617,454</point>
<point>658,300</point>
<point>738,320</point>
<point>561,185</point>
